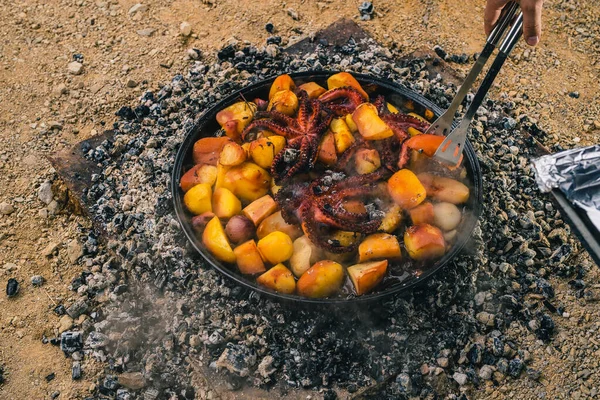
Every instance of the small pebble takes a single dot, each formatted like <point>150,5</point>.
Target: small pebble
<point>6,208</point>
<point>185,29</point>
<point>75,68</point>
<point>37,280</point>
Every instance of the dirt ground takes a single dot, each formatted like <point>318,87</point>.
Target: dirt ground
<point>45,108</point>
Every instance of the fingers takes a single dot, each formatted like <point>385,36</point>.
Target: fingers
<point>532,20</point>
<point>492,12</point>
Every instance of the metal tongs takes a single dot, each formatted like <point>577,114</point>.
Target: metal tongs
<point>450,150</point>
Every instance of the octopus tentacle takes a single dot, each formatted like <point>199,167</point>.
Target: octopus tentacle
<point>351,98</point>
<point>283,119</point>
<point>267,124</point>
<point>379,103</point>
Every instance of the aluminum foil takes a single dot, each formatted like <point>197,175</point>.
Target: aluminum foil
<point>576,173</point>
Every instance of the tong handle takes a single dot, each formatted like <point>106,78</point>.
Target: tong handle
<point>508,14</point>
<point>506,47</point>
<point>504,21</point>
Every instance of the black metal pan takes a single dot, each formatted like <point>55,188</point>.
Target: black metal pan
<point>206,125</point>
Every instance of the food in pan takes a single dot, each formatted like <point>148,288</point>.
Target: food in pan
<point>323,191</point>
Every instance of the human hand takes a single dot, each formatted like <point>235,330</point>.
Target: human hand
<point>532,18</point>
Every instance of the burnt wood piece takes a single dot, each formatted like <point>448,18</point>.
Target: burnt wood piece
<point>334,37</point>
<point>76,172</point>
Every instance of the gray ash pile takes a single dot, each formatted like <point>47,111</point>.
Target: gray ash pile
<point>161,311</point>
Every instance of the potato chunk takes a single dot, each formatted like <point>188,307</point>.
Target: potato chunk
<point>321,280</point>
<point>342,79</point>
<point>406,189</point>
<point>422,214</point>
<point>263,150</point>
<point>215,240</point>
<point>392,219</point>
<point>446,216</point>
<point>248,258</point>
<point>198,199</point>
<point>260,209</point>
<point>285,101</point>
<point>366,161</point>
<point>278,278</point>
<point>232,154</point>
<point>327,154</point>
<point>235,118</point>
<point>225,204</point>
<point>275,222</point>
<point>276,247</point>
<point>379,245</point>
<point>282,82</point>
<point>313,89</point>
<point>207,150</point>
<point>342,135</point>
<point>305,254</point>
<point>366,276</point>
<point>369,125</point>
<point>424,242</point>
<point>444,189</point>
<point>247,181</point>
<point>201,173</point>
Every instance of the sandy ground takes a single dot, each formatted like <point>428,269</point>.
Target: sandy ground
<point>44,108</point>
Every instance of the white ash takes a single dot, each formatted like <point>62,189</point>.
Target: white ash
<point>180,308</point>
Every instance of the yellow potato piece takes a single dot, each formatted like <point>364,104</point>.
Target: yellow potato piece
<point>225,204</point>
<point>321,280</point>
<point>278,278</point>
<point>215,240</point>
<point>276,247</point>
<point>198,199</point>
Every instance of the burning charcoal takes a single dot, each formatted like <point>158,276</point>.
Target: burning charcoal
<point>70,342</point>
<point>50,377</point>
<point>274,40</point>
<point>544,287</point>
<point>269,27</point>
<point>366,10</point>
<point>226,52</point>
<point>76,370</point>
<point>123,394</point>
<point>151,394</point>
<point>515,367</point>
<point>546,328</point>
<point>126,113</point>
<point>474,354</point>
<point>577,284</point>
<point>12,287</point>
<point>440,52</point>
<point>110,382</point>
<point>502,365</point>
<point>403,380</point>
<point>59,310</point>
<point>237,359</point>
<point>96,340</point>
<point>77,308</point>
